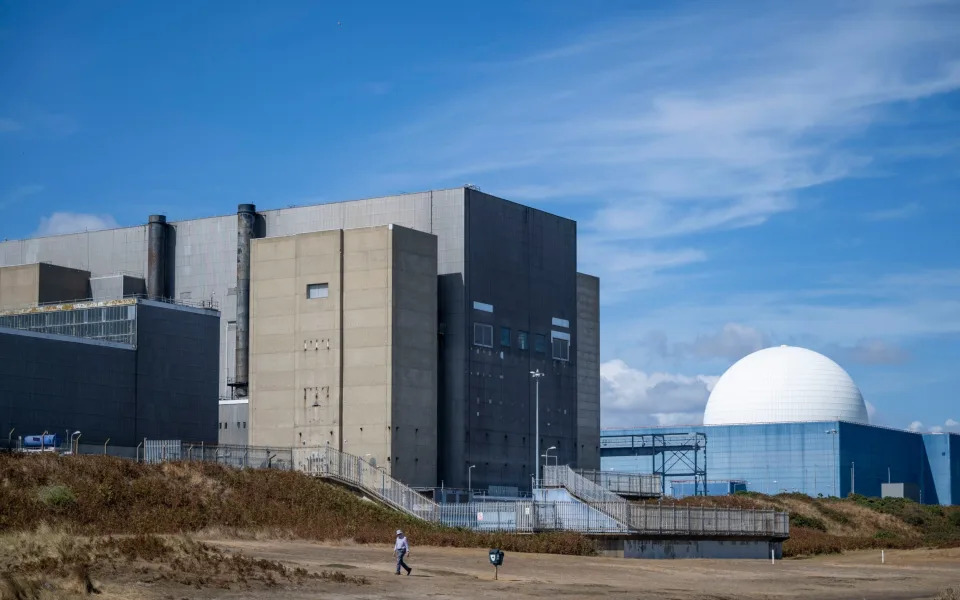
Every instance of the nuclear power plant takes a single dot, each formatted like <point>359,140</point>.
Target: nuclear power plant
<point>401,329</point>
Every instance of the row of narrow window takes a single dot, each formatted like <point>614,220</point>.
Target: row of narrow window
<point>483,336</point>
<point>226,425</point>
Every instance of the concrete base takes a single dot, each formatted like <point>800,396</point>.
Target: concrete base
<point>686,548</point>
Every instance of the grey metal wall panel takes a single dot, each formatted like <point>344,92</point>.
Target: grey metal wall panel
<point>523,262</point>
<point>55,384</point>
<point>234,421</point>
<point>588,371</point>
<point>177,372</point>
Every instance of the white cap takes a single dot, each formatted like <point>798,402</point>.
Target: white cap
<point>399,532</point>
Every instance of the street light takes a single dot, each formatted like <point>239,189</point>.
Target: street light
<point>546,456</point>
<point>470,483</point>
<point>75,436</point>
<point>833,433</point>
<point>536,377</point>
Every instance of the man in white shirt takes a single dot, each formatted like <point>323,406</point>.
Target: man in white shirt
<point>401,549</point>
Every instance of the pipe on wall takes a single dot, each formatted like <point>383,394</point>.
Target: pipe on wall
<point>156,256</point>
<point>246,220</point>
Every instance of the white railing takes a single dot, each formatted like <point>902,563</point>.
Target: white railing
<point>625,484</point>
<point>675,520</point>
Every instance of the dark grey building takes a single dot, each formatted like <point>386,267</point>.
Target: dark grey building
<point>122,370</point>
<point>510,301</point>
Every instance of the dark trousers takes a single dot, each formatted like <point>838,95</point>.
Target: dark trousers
<point>400,563</point>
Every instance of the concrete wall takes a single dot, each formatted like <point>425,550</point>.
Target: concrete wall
<point>355,369</point>
<point>55,383</point>
<point>112,287</point>
<point>177,372</point>
<point>413,354</point>
<point>588,371</point>
<point>679,548</point>
<point>39,283</point>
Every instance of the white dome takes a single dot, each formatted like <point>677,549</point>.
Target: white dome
<point>783,385</point>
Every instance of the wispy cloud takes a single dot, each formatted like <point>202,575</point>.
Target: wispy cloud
<point>870,352</point>
<point>7,125</point>
<point>905,211</point>
<point>20,194</point>
<point>731,343</point>
<point>66,222</point>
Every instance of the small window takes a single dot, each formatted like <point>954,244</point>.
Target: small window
<point>505,337</point>
<point>558,322</point>
<point>540,343</point>
<point>244,424</point>
<point>482,306</point>
<point>317,290</point>
<point>561,349</point>
<point>483,335</point>
<point>523,340</point>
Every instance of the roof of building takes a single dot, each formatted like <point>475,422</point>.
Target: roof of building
<point>784,384</point>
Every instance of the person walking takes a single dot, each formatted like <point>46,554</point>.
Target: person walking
<point>401,549</point>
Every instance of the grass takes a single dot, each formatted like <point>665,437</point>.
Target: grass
<point>831,525</point>
<point>112,496</point>
<point>54,560</point>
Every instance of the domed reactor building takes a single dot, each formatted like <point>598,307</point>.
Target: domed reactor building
<point>788,419</point>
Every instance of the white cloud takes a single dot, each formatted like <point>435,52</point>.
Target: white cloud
<point>66,222</point>
<point>630,397</point>
<point>895,214</point>
<point>952,423</point>
<point>936,429</point>
<point>915,426</point>
<point>732,343</point>
<point>870,352</point>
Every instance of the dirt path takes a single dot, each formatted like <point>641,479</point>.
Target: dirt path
<point>465,573</point>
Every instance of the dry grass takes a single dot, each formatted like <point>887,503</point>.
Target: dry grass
<point>112,496</point>
<point>951,593</point>
<point>830,525</point>
<point>52,560</point>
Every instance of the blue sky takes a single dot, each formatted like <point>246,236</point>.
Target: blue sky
<point>742,174</point>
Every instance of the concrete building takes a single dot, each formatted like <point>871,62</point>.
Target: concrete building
<point>344,345</point>
<point>118,371</point>
<point>509,301</point>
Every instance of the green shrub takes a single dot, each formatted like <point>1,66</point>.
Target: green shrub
<point>884,535</point>
<point>955,518</point>
<point>57,496</point>
<point>809,522</point>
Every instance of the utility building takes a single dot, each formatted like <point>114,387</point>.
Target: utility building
<point>506,300</point>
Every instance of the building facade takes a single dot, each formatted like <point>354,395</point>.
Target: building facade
<point>509,301</point>
<point>820,458</point>
<point>117,371</point>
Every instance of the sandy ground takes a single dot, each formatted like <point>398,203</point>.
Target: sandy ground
<point>441,573</point>
<point>466,573</point>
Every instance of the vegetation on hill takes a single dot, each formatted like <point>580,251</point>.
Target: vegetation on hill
<point>101,495</point>
<point>829,525</point>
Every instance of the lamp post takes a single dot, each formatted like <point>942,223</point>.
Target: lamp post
<point>75,437</point>
<point>470,483</point>
<point>546,456</point>
<point>833,433</point>
<point>536,378</point>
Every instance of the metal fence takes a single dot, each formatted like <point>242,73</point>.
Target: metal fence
<point>625,484</point>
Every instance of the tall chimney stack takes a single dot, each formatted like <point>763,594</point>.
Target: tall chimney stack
<point>156,256</point>
<point>246,220</point>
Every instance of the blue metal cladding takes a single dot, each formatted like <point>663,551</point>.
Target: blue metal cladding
<point>943,454</point>
<point>829,458</point>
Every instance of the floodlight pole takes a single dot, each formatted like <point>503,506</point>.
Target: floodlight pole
<point>536,378</point>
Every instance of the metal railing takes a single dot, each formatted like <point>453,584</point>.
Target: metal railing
<point>625,484</point>
<point>673,520</point>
